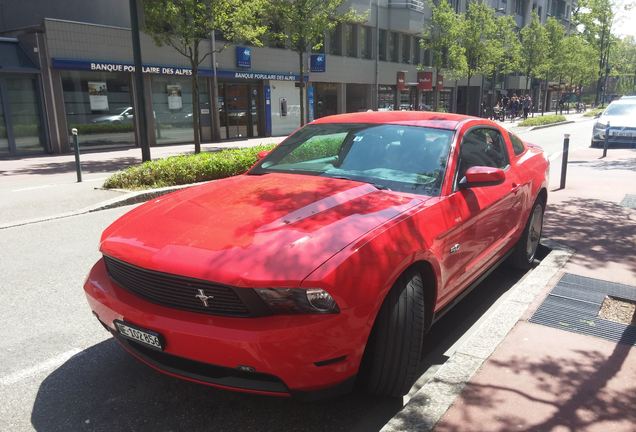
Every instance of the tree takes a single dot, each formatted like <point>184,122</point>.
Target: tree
<point>575,65</point>
<point>595,18</point>
<point>534,48</point>
<point>478,33</point>
<point>303,24</point>
<point>506,56</point>
<point>555,34</point>
<point>440,36</point>
<point>623,62</point>
<point>184,24</point>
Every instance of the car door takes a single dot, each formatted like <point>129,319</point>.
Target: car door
<point>487,215</point>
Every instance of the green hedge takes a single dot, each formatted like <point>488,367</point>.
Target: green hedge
<point>543,120</point>
<point>177,170</point>
<point>316,148</point>
<point>95,128</point>
<point>594,112</point>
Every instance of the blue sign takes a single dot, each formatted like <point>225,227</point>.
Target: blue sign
<point>310,102</point>
<point>318,63</point>
<point>268,110</point>
<point>243,57</point>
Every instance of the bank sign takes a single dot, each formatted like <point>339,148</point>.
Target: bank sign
<point>169,70</point>
<point>243,57</point>
<point>318,63</point>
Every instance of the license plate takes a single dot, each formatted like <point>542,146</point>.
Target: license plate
<point>146,337</point>
<point>622,133</point>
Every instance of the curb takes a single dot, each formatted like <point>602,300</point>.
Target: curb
<point>551,125</point>
<point>128,199</point>
<point>429,403</point>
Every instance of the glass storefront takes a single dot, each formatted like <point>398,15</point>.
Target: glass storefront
<point>357,97</point>
<point>325,99</point>
<point>386,98</point>
<point>24,100</point>
<point>4,138</point>
<point>99,105</point>
<point>172,106</point>
<point>20,111</point>
<point>239,110</point>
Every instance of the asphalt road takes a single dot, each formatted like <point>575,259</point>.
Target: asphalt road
<point>60,371</point>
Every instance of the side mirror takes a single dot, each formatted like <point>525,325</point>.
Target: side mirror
<point>262,154</point>
<point>478,176</point>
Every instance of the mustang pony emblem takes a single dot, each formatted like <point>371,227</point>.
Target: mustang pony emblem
<point>204,298</point>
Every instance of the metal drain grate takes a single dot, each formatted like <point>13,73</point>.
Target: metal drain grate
<point>574,303</point>
<point>629,201</point>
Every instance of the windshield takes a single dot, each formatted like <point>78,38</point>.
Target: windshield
<point>394,157</point>
<point>622,109</point>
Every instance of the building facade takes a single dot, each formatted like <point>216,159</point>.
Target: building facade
<point>68,64</point>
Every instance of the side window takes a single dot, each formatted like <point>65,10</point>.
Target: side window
<point>517,144</point>
<point>482,147</point>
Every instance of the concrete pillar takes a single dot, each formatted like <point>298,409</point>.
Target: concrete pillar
<point>341,92</point>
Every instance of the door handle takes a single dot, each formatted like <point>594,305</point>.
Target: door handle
<point>515,187</point>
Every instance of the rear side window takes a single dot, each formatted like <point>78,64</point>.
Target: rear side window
<point>517,144</point>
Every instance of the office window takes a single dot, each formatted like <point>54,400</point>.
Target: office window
<point>427,61</point>
<point>350,39</point>
<point>382,45</point>
<point>519,7</point>
<point>394,47</point>
<point>335,41</point>
<point>366,42</point>
<point>406,48</point>
<point>417,50</point>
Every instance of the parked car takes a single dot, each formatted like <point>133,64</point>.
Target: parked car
<point>328,261</point>
<point>621,117</point>
<point>125,116</point>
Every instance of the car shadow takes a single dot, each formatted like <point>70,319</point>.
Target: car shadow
<point>104,389</point>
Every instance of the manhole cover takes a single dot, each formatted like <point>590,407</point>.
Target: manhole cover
<point>575,303</point>
<point>629,201</point>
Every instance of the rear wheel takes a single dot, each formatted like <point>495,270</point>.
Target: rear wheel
<point>391,361</point>
<point>526,250</point>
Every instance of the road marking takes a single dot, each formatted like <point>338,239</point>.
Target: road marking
<point>31,188</point>
<point>46,365</point>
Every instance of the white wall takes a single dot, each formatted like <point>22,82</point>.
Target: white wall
<point>287,124</point>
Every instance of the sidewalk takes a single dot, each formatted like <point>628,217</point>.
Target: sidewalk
<point>514,124</point>
<point>50,180</point>
<point>542,378</point>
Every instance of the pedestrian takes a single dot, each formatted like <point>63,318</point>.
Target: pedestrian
<point>527,106</point>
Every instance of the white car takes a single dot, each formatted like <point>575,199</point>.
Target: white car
<point>621,117</point>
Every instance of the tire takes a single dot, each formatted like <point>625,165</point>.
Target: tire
<point>526,248</point>
<point>392,359</point>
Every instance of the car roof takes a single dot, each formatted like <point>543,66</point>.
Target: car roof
<point>407,118</point>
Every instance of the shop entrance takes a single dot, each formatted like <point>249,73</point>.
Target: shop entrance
<point>20,117</point>
<point>240,106</point>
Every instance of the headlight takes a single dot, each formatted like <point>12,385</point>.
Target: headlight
<point>297,300</point>
<point>599,126</point>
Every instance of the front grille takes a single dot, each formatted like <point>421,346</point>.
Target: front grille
<point>177,291</point>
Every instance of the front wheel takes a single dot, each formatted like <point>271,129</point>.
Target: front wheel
<point>526,249</point>
<point>392,359</point>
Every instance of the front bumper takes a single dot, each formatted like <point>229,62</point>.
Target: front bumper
<point>289,355</point>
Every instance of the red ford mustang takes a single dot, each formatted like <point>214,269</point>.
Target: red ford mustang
<point>328,261</point>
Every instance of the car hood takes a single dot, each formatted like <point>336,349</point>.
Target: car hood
<point>618,121</point>
<point>251,230</point>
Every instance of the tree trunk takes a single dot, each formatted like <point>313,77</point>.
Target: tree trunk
<point>545,107</point>
<point>301,88</point>
<point>214,106</point>
<point>436,92</point>
<point>467,105</point>
<point>195,103</point>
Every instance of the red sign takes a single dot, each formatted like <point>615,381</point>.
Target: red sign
<point>401,81</point>
<point>425,80</point>
<point>440,82</point>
